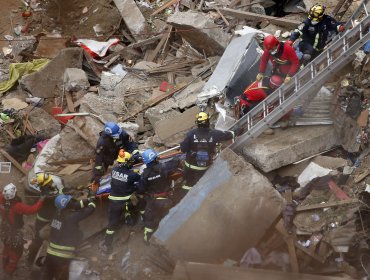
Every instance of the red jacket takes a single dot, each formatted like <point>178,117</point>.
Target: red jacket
<point>284,62</point>
<point>256,92</point>
<point>16,210</point>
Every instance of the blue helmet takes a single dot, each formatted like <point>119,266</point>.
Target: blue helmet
<point>149,155</point>
<point>62,200</point>
<point>112,129</point>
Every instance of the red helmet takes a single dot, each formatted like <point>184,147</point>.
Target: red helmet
<point>275,81</point>
<point>270,42</point>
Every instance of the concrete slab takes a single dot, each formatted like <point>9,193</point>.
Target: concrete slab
<point>48,81</point>
<point>133,18</point>
<point>50,47</point>
<point>226,212</point>
<point>269,152</point>
<point>201,271</point>
<point>44,123</point>
<point>205,35</point>
<point>174,129</point>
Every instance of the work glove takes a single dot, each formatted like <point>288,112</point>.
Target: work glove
<point>136,156</point>
<point>289,42</point>
<point>341,28</point>
<point>287,79</point>
<point>259,77</point>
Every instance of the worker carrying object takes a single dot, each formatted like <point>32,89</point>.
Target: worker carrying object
<point>111,140</point>
<point>283,57</point>
<point>12,210</point>
<point>50,187</point>
<point>123,184</point>
<point>315,31</point>
<point>257,92</point>
<point>200,148</point>
<point>157,183</point>
<point>64,237</point>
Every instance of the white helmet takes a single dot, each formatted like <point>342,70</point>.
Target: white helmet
<point>9,191</point>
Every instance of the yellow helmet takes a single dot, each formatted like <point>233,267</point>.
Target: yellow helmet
<point>123,156</point>
<point>202,119</point>
<point>316,12</point>
<point>43,178</point>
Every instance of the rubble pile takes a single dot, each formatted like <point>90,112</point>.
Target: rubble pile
<point>68,67</point>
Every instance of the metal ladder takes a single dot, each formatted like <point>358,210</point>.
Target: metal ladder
<point>307,82</point>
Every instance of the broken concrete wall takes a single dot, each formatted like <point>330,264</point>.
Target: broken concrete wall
<point>270,152</point>
<point>48,82</point>
<point>226,212</point>
<point>205,36</point>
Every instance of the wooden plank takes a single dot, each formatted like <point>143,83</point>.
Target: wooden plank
<point>258,17</point>
<point>223,17</point>
<point>339,193</point>
<point>71,161</point>
<point>14,162</point>
<point>362,176</point>
<point>70,104</point>
<point>70,169</point>
<point>363,118</point>
<point>165,6</point>
<point>154,54</point>
<point>327,204</point>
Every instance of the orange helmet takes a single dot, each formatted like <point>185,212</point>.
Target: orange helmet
<point>270,43</point>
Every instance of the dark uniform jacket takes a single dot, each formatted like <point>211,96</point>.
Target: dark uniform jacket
<point>316,35</point>
<point>201,141</point>
<point>156,178</point>
<point>124,181</point>
<point>107,148</point>
<point>65,233</point>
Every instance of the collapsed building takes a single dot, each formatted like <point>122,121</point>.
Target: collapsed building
<point>270,205</point>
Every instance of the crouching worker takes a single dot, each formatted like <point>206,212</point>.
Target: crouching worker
<point>257,92</point>
<point>156,182</point>
<point>64,237</point>
<point>12,210</point>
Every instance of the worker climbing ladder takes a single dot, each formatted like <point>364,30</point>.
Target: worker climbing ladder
<point>306,83</point>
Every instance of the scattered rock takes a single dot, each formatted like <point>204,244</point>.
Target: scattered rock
<point>75,79</point>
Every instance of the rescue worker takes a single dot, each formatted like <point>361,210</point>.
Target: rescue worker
<point>123,184</point>
<point>64,237</point>
<point>200,148</point>
<point>314,32</point>
<point>50,186</point>
<point>157,184</point>
<point>257,92</point>
<point>12,210</point>
<point>111,140</point>
<point>283,57</point>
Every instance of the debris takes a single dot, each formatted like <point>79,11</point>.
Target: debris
<point>13,161</point>
<point>17,70</point>
<point>327,204</point>
<point>96,48</point>
<point>13,103</point>
<point>44,123</point>
<point>75,80</point>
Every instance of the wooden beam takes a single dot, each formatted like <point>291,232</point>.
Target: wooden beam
<point>14,162</point>
<point>327,204</point>
<point>222,16</point>
<point>257,17</point>
<point>165,6</point>
<point>154,54</point>
<point>70,105</point>
<point>71,161</point>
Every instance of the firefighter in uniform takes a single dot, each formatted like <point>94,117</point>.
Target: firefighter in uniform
<point>64,237</point>
<point>50,187</point>
<point>12,210</point>
<point>314,32</point>
<point>123,184</point>
<point>200,148</point>
<point>257,92</point>
<point>156,182</point>
<point>111,140</point>
<point>283,57</point>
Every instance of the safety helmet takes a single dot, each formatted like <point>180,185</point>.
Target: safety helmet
<point>62,200</point>
<point>9,191</point>
<point>149,156</point>
<point>123,156</point>
<point>270,43</point>
<point>202,119</point>
<point>112,129</point>
<point>43,178</point>
<point>316,12</point>
<point>275,81</point>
